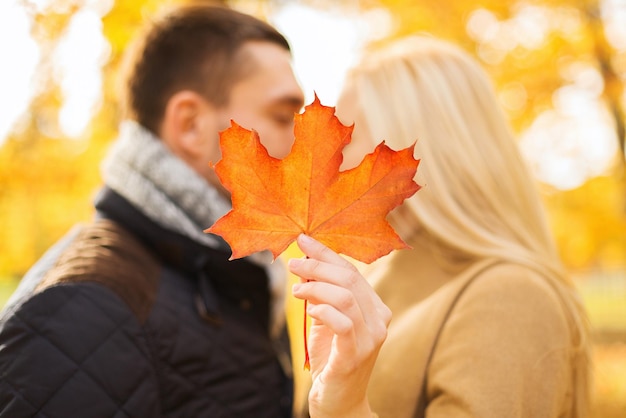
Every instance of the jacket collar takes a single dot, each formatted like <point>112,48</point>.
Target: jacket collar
<point>210,268</point>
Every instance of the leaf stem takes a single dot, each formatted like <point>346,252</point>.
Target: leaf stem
<point>307,364</point>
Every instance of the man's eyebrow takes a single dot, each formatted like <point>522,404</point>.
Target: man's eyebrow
<point>290,100</point>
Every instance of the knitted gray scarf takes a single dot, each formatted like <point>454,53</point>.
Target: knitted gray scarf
<point>140,168</point>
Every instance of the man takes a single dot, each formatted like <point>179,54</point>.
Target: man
<point>139,313</point>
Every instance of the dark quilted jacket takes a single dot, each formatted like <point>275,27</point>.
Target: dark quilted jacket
<point>126,319</point>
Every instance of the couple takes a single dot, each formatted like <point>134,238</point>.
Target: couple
<point>140,314</point>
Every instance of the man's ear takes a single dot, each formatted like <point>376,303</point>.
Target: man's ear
<point>186,121</point>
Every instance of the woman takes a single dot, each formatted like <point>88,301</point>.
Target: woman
<point>485,321</point>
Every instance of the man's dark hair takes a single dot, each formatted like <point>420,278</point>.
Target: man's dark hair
<point>193,47</point>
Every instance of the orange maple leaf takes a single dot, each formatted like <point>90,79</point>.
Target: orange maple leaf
<point>276,200</point>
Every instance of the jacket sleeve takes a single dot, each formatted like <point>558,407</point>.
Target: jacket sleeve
<point>75,350</point>
<point>504,351</point>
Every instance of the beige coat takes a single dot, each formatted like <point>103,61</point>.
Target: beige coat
<point>492,342</point>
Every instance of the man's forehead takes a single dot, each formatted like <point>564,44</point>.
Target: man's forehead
<point>270,69</point>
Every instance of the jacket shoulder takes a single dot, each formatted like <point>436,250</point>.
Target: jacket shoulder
<point>504,349</point>
<point>514,282</point>
<point>75,350</point>
<point>74,344</point>
<point>105,253</point>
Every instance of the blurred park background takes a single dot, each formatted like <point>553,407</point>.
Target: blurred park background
<point>559,67</point>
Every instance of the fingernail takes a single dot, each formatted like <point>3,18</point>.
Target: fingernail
<point>305,239</point>
<point>295,287</point>
<point>294,262</point>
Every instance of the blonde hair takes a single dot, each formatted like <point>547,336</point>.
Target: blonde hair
<point>479,199</point>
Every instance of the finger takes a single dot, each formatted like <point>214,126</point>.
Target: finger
<point>336,321</point>
<point>341,299</point>
<point>351,343</point>
<point>314,249</point>
<point>367,318</point>
<point>314,269</point>
<point>368,300</point>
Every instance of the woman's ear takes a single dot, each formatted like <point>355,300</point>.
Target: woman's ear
<point>187,126</point>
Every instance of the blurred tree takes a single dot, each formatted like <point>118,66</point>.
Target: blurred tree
<point>47,177</point>
<point>606,57</point>
<point>556,33</point>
